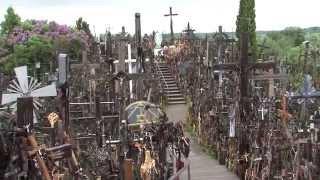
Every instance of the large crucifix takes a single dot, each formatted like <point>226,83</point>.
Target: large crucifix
<point>171,24</point>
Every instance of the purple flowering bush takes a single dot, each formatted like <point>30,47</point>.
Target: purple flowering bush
<point>38,35</point>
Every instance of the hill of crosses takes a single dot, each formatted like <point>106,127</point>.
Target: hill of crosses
<point>182,104</point>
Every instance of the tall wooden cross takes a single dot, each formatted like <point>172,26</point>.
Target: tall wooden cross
<point>171,24</point>
<point>189,31</point>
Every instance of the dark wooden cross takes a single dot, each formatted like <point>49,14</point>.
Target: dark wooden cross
<point>171,24</point>
<point>243,68</point>
<point>25,121</point>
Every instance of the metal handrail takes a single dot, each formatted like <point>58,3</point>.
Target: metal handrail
<point>186,167</point>
<point>162,77</point>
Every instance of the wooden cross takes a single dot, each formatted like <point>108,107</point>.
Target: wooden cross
<point>171,23</point>
<point>284,114</point>
<point>189,31</point>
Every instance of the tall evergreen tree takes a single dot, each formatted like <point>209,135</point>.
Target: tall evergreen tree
<point>246,23</point>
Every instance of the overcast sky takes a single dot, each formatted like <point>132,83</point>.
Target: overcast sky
<point>204,15</point>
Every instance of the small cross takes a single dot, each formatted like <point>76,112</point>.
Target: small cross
<point>263,111</point>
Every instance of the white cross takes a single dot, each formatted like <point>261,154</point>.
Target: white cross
<point>130,61</point>
<point>263,111</point>
<point>131,70</point>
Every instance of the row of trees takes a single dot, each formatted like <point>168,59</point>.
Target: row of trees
<point>37,41</point>
<point>287,45</point>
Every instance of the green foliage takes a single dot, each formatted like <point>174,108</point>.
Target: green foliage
<point>11,19</point>
<point>246,23</point>
<point>36,49</point>
<point>287,46</point>
<point>83,25</point>
<point>27,25</point>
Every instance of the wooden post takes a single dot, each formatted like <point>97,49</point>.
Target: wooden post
<point>140,58</point>
<point>25,112</point>
<point>271,85</point>
<point>122,52</point>
<point>128,169</point>
<point>25,119</point>
<point>64,90</point>
<point>99,138</point>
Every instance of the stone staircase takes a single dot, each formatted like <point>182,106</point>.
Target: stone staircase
<point>171,88</point>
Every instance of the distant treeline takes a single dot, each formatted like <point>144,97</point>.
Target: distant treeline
<point>201,35</point>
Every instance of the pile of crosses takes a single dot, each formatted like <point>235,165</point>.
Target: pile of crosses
<point>242,110</point>
<point>33,147</point>
<point>96,119</point>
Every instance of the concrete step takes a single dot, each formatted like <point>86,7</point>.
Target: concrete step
<point>164,69</point>
<point>176,99</point>
<point>171,82</point>
<point>174,95</point>
<point>172,91</point>
<point>171,85</point>
<point>168,77</point>
<point>176,102</point>
<point>170,88</point>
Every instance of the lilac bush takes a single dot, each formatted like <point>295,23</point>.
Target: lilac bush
<point>51,31</point>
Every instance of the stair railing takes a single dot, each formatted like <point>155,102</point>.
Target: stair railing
<point>159,72</point>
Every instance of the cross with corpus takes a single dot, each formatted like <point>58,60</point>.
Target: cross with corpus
<point>171,24</point>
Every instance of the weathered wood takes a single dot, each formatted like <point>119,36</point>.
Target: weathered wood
<point>25,120</point>
<point>25,112</point>
<point>128,169</point>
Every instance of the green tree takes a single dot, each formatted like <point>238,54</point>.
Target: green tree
<point>11,19</point>
<point>36,49</point>
<point>296,34</point>
<point>83,25</point>
<point>246,23</point>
